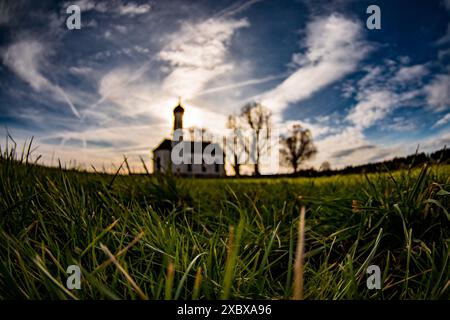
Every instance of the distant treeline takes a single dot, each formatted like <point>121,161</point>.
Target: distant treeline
<point>441,156</point>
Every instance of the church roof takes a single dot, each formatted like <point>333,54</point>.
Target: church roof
<point>166,144</point>
<point>178,108</point>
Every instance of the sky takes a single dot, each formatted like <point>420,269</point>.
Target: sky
<point>91,96</point>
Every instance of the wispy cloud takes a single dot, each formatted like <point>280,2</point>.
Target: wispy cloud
<point>25,58</point>
<point>112,6</point>
<point>383,89</point>
<point>442,121</point>
<point>80,70</point>
<point>241,84</point>
<point>372,107</point>
<point>198,53</point>
<point>133,9</point>
<point>379,92</point>
<point>438,92</point>
<point>235,8</point>
<point>409,73</point>
<point>334,46</point>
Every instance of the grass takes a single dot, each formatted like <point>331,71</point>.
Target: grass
<point>139,237</point>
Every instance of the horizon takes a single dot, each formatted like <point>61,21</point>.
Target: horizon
<point>107,90</point>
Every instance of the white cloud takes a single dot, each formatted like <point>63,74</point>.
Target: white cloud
<point>194,55</point>
<point>80,70</point>
<point>121,29</point>
<point>404,59</point>
<point>123,95</point>
<point>198,53</point>
<point>332,145</point>
<point>443,121</point>
<point>334,47</point>
<point>25,59</point>
<point>373,107</point>
<point>116,6</point>
<point>374,75</point>
<point>438,93</point>
<point>85,146</point>
<point>107,34</point>
<point>119,87</point>
<point>201,45</point>
<point>383,89</point>
<point>400,124</point>
<point>351,147</point>
<point>133,9</point>
<point>411,73</point>
<point>316,129</point>
<point>435,142</point>
<point>141,49</point>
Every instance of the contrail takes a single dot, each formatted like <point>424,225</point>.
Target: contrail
<point>235,8</point>
<point>145,67</point>
<point>75,112</point>
<point>240,84</point>
<point>72,107</point>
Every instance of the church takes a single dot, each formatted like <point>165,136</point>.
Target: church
<point>162,154</point>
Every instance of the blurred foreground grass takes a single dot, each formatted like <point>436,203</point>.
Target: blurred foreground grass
<point>139,236</point>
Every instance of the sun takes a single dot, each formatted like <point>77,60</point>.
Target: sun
<point>192,116</point>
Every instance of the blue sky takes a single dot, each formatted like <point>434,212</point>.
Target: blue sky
<point>95,94</point>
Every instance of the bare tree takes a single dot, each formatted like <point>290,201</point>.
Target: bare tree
<point>257,117</point>
<point>232,124</point>
<point>199,134</point>
<point>325,166</point>
<point>238,147</point>
<point>297,147</point>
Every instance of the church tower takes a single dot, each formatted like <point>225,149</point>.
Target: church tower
<point>178,116</point>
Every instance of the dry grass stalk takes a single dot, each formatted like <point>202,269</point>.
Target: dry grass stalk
<point>299,258</point>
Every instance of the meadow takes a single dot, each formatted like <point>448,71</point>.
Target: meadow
<point>163,237</point>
